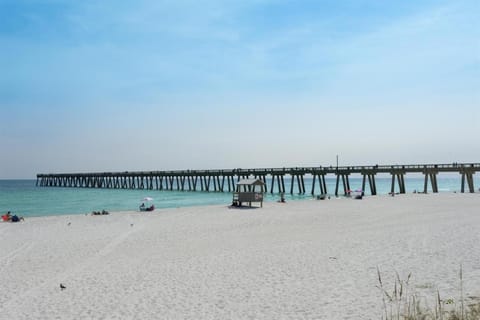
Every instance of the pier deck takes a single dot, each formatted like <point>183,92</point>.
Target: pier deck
<point>223,180</point>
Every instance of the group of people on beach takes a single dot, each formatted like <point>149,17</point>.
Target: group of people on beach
<point>100,213</point>
<point>142,207</point>
<point>8,217</point>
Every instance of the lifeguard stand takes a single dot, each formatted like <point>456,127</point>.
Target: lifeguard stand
<point>247,191</point>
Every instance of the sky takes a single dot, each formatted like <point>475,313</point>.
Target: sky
<point>94,86</point>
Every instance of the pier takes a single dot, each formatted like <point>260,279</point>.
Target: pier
<point>224,180</point>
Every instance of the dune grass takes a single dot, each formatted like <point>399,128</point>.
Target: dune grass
<point>404,303</point>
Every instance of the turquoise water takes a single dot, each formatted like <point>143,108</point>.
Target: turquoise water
<point>24,198</point>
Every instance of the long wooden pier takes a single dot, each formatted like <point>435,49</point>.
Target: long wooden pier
<point>225,180</point>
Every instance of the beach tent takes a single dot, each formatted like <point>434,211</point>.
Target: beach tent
<point>249,190</point>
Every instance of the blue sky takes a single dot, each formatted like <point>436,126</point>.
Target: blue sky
<point>160,85</point>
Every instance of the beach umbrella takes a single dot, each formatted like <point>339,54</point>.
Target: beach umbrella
<point>147,207</point>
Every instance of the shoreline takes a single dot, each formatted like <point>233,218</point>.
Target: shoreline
<point>27,200</point>
<point>270,198</point>
<point>302,259</point>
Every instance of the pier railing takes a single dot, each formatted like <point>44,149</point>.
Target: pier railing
<point>224,180</point>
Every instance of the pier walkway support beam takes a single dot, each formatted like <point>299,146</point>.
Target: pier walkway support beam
<point>345,181</point>
<point>370,175</point>
<point>398,175</point>
<point>263,178</point>
<point>432,174</point>
<point>321,182</point>
<point>300,183</point>
<point>280,183</point>
<point>467,174</point>
<point>231,183</point>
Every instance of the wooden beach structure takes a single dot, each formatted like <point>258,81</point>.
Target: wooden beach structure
<point>249,190</point>
<point>225,180</point>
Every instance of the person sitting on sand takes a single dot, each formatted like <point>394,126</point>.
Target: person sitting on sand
<point>142,207</point>
<point>16,218</point>
<point>7,217</point>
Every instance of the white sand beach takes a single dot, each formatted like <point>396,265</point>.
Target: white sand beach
<point>300,260</point>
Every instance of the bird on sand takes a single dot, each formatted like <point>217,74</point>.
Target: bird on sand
<point>62,287</point>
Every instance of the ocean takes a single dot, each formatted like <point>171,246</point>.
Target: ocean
<point>22,197</point>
